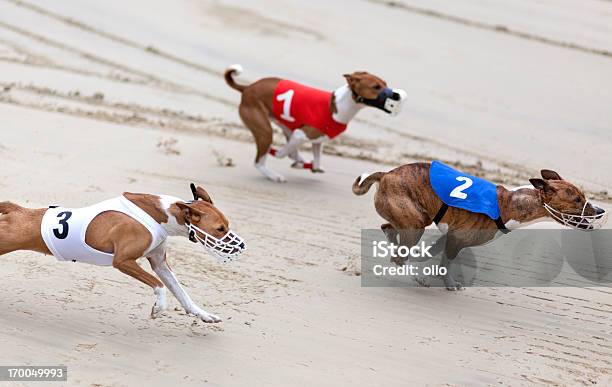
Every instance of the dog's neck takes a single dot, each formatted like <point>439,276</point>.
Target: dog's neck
<point>521,206</point>
<point>163,210</point>
<point>175,226</point>
<point>344,108</point>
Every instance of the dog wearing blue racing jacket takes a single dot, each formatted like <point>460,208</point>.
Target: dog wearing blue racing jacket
<point>468,209</point>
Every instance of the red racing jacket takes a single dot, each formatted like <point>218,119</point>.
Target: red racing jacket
<point>295,105</point>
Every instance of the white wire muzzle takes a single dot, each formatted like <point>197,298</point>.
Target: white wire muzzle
<point>225,249</point>
<point>579,222</point>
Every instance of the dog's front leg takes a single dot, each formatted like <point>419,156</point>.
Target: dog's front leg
<point>317,149</point>
<point>161,268</point>
<point>452,248</point>
<point>293,154</point>
<point>298,160</point>
<point>298,137</point>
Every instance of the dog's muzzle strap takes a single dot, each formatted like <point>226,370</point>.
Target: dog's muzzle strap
<point>191,232</point>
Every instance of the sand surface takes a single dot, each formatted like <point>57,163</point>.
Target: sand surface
<point>97,98</point>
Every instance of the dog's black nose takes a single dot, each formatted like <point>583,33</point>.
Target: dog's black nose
<point>241,245</point>
<point>599,210</point>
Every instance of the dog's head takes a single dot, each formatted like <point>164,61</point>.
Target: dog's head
<point>566,203</point>
<point>373,91</point>
<point>207,224</point>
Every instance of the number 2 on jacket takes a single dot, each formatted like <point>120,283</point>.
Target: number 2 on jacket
<point>458,191</point>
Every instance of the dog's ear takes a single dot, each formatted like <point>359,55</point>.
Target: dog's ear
<point>547,174</point>
<point>190,214</point>
<point>202,194</point>
<point>354,76</point>
<point>542,185</point>
<point>349,78</point>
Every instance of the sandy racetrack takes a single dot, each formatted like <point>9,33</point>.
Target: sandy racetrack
<point>100,98</point>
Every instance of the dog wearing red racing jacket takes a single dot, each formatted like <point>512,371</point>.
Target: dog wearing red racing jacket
<point>306,114</point>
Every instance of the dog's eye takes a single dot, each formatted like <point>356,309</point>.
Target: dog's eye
<point>377,87</point>
<point>578,200</point>
<point>221,229</point>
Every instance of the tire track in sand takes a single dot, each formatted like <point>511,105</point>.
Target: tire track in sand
<point>500,29</point>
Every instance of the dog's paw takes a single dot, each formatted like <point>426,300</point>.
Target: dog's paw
<point>161,304</point>
<point>422,281</point>
<point>209,318</point>
<point>317,170</point>
<point>452,285</point>
<point>270,175</point>
<point>204,316</point>
<point>157,311</point>
<point>278,179</point>
<point>298,165</point>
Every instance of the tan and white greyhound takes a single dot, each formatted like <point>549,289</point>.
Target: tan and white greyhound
<point>119,231</point>
<point>306,114</point>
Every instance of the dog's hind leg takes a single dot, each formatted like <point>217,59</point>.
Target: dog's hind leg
<point>390,232</point>
<point>5,244</point>
<point>9,238</point>
<point>257,120</point>
<point>408,238</point>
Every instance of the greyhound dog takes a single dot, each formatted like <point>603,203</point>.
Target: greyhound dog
<point>306,114</point>
<point>119,231</point>
<point>470,210</point>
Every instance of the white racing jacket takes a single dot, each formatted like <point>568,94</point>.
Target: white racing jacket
<point>64,229</point>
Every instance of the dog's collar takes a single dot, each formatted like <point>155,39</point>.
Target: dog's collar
<point>357,97</point>
<point>442,211</point>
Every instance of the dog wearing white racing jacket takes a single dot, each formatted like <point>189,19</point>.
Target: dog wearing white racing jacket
<point>119,231</point>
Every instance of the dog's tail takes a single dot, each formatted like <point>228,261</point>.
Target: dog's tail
<point>234,69</point>
<point>363,183</point>
<point>8,207</point>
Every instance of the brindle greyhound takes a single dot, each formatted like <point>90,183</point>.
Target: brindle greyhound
<point>119,231</point>
<point>406,199</point>
<point>264,100</point>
